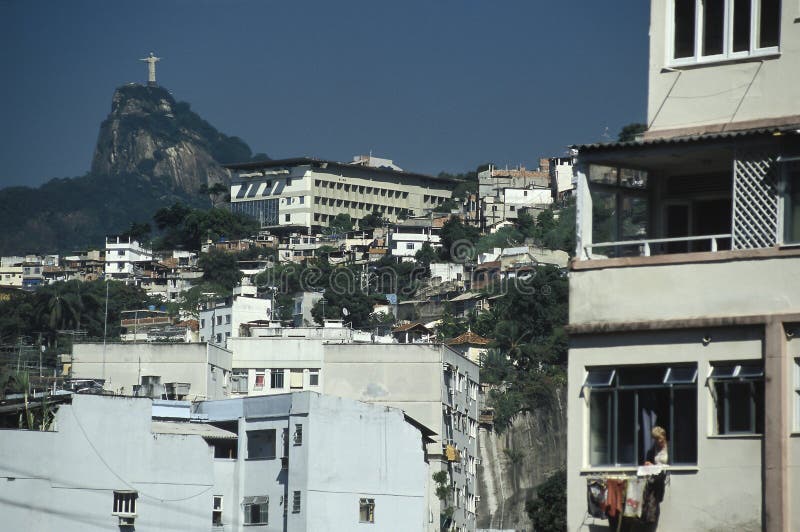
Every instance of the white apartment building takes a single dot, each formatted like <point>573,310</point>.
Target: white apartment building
<point>195,371</point>
<point>124,257</point>
<point>684,302</point>
<point>298,462</point>
<point>409,236</point>
<point>432,383</point>
<point>11,276</point>
<point>562,180</point>
<point>305,193</point>
<point>221,319</point>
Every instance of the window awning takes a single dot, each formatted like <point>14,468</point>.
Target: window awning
<point>192,429</point>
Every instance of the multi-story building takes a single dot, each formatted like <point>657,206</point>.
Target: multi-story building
<point>220,319</point>
<point>684,303</point>
<point>11,276</point>
<point>432,383</point>
<point>562,180</point>
<point>309,193</point>
<point>191,371</point>
<point>408,237</point>
<point>125,257</point>
<point>299,462</point>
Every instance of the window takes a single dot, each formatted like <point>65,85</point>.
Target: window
<point>256,510</point>
<point>259,385</point>
<point>288,181</point>
<point>366,510</point>
<point>296,379</point>
<point>125,503</point>
<point>120,252</point>
<point>261,444</point>
<point>287,218</point>
<point>313,377</point>
<point>219,320</point>
<point>712,30</point>
<point>296,502</point>
<point>276,378</point>
<point>219,338</point>
<point>202,323</point>
<point>302,200</point>
<point>409,245</point>
<point>298,434</point>
<point>791,203</point>
<point>738,391</point>
<point>216,511</point>
<point>227,318</point>
<point>626,402</point>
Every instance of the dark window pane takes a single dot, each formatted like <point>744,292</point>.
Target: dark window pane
<point>792,218</point>
<point>684,28</point>
<point>769,23</point>
<point>684,430</point>
<point>713,26</point>
<point>758,399</point>
<point>642,375</point>
<point>741,25</point>
<point>681,375</point>
<point>599,377</point>
<point>738,405</point>
<point>723,371</point>
<point>626,428</point>
<point>600,428</point>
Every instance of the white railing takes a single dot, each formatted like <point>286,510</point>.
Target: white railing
<point>645,245</point>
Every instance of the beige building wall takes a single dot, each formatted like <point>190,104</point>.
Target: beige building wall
<point>724,490</point>
<point>205,367</point>
<point>761,88</point>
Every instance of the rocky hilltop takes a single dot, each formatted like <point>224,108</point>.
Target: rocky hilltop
<point>150,134</point>
<point>151,152</point>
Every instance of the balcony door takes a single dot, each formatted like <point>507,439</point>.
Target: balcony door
<point>697,218</point>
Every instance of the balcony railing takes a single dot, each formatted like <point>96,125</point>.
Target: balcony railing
<point>646,247</point>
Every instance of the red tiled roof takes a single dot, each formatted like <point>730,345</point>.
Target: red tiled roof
<point>469,337</point>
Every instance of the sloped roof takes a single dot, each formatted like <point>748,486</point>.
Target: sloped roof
<point>469,337</point>
<point>410,326</point>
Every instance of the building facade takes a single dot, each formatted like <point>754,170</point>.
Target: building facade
<point>125,257</point>
<point>221,319</point>
<point>309,193</point>
<point>683,304</point>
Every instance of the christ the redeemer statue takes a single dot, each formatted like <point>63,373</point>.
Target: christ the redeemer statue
<point>151,61</point>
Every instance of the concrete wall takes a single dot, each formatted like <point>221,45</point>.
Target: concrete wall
<point>356,450</point>
<point>205,367</point>
<point>696,289</point>
<point>724,490</point>
<point>65,480</point>
<point>721,92</point>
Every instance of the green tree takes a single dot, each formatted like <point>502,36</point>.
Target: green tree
<point>548,510</point>
<point>220,268</point>
<point>370,222</point>
<point>341,223</point>
<point>425,256</point>
<point>458,240</point>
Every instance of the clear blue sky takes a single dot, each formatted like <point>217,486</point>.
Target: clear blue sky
<point>434,85</point>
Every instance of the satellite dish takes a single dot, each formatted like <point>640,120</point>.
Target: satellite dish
<point>345,312</point>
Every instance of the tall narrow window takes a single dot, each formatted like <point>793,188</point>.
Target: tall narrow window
<point>296,502</point>
<point>769,23</point>
<point>298,434</point>
<point>366,510</point>
<point>216,511</point>
<point>741,25</point>
<point>684,23</point>
<point>125,503</point>
<point>276,378</point>
<point>738,391</point>
<point>713,27</point>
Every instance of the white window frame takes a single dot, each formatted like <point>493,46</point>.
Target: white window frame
<point>216,509</point>
<point>727,39</point>
<point>124,503</point>
<point>247,504</point>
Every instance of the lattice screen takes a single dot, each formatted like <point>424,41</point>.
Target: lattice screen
<point>755,200</point>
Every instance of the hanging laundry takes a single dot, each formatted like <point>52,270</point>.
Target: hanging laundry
<point>615,497</point>
<point>652,496</point>
<point>633,497</point>
<point>596,497</point>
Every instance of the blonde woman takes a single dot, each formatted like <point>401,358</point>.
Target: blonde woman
<point>658,453</point>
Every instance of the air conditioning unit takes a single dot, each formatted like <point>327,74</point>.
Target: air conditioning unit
<point>126,521</point>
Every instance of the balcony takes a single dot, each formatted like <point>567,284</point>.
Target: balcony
<point>712,193</point>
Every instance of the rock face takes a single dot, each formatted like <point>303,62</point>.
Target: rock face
<point>150,134</point>
<point>514,463</point>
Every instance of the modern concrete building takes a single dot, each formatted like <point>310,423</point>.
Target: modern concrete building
<point>308,193</point>
<point>432,383</point>
<point>193,371</point>
<point>298,462</point>
<point>221,319</point>
<point>125,257</point>
<point>683,296</point>
<point>408,237</point>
